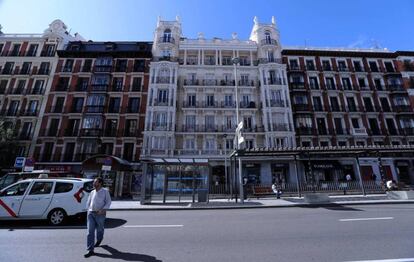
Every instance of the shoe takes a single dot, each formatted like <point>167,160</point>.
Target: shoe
<point>90,253</point>
<point>98,243</point>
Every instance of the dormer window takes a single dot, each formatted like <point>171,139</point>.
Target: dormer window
<point>167,36</point>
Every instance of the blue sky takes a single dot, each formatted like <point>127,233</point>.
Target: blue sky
<point>323,23</point>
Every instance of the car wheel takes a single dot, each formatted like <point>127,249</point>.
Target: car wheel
<point>57,217</point>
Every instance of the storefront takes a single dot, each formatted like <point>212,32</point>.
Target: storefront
<point>118,175</point>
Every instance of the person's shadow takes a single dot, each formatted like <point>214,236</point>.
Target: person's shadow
<point>116,254</point>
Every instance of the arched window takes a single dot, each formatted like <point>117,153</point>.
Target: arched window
<point>267,37</point>
<point>167,35</point>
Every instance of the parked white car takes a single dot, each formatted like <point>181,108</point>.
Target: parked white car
<point>53,199</point>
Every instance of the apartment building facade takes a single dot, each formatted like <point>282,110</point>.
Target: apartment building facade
<point>353,98</point>
<point>26,65</point>
<point>96,109</point>
<point>191,114</point>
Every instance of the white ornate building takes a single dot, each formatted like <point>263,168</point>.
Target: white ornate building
<point>191,112</point>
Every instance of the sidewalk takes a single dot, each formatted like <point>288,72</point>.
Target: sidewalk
<point>256,203</point>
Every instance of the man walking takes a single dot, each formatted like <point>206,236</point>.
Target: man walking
<point>98,202</point>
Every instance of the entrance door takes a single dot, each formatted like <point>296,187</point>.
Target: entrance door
<point>38,200</point>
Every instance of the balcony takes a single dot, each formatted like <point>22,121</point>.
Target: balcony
<point>402,108</point>
<point>361,131</point>
<point>81,88</point>
<point>227,83</point>
<point>396,88</point>
<point>408,131</point>
<point>43,71</point>
<point>161,127</point>
<point>164,39</point>
<point>99,87</point>
<point>48,53</point>
<point>246,83</point>
<point>113,110</point>
<point>318,108</point>
<point>277,103</point>
<point>310,67</point>
<point>70,132</point>
<point>393,132</point>
<point>110,132</point>
<point>270,60</point>
<point>374,132</point>
<point>163,80</point>
<point>56,109</point>
<point>76,109</point>
<point>301,107</point>
<point>131,132</point>
<point>268,41</point>
<point>338,131</point>
<point>95,109</point>
<point>280,127</point>
<point>274,81</point>
<point>245,104</point>
<point>191,82</point>
<point>102,69</point>
<point>209,82</point>
<point>297,85</point>
<point>305,130</point>
<point>210,61</point>
<point>91,132</point>
<point>67,69</point>
<point>30,113</point>
<point>160,102</point>
<point>337,108</point>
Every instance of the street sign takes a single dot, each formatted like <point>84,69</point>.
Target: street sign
<point>28,168</point>
<point>239,127</point>
<point>19,162</point>
<point>30,161</point>
<point>241,140</point>
<point>106,168</point>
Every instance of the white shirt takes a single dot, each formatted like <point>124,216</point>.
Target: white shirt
<point>99,200</point>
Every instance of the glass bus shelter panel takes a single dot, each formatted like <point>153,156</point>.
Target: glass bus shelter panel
<point>157,182</point>
<point>173,185</point>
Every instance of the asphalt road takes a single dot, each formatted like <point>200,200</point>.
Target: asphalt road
<point>352,233</point>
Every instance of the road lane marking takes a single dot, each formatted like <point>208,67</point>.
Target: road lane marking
<point>386,260</point>
<point>365,219</point>
<point>151,226</point>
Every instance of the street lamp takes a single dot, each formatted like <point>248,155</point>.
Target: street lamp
<point>236,60</point>
<point>225,161</point>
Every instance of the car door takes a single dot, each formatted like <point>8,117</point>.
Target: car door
<point>37,200</point>
<point>11,199</point>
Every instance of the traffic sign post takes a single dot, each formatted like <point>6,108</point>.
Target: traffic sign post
<point>29,164</point>
<point>19,162</point>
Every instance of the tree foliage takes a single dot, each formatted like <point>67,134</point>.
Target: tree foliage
<point>8,144</point>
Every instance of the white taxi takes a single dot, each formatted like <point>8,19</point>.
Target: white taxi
<point>53,199</point>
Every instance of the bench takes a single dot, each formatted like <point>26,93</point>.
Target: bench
<point>262,190</point>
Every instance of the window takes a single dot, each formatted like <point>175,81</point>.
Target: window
<point>268,38</point>
<point>32,50</point>
<point>44,68</point>
<point>357,66</point>
<point>13,107</point>
<point>351,104</point>
<point>162,96</point>
<point>41,188</point>
<point>368,104</point>
<point>69,152</point>
<point>167,35</point>
<point>48,50</point>
<point>210,100</point>
<point>139,65</point>
<point>190,121</point>
<point>92,122</point>
<point>136,84</point>
<point>310,65</point>
<point>210,122</point>
<point>53,127</point>
<point>330,84</point>
<point>87,65</point>
<point>313,83</point>
<point>361,82</point>
<point>20,87</point>
<point>133,105</point>
<point>26,68</point>
<point>15,50</point>
<point>378,84</point>
<point>59,102</point>
<point>121,65</point>
<point>8,68</point>
<point>77,105</point>
<point>326,65</point>
<point>63,187</point>
<point>228,100</point>
<point>189,144</point>
<point>373,65</point>
<point>389,67</point>
<point>68,66</point>
<point>355,122</point>
<point>32,108</point>
<point>114,104</point>
<point>334,103</point>
<point>338,126</point>
<point>38,87</point>
<point>131,127</point>
<point>128,151</point>
<point>110,127</point>
<point>107,148</point>
<point>16,190</point>
<point>3,86</point>
<point>191,100</point>
<point>346,84</point>
<point>294,65</point>
<point>342,66</point>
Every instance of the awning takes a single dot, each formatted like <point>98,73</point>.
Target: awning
<point>96,162</point>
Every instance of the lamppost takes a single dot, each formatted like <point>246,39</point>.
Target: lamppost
<point>236,60</point>
<point>225,162</point>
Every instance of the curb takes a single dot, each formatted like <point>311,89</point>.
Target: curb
<point>332,204</point>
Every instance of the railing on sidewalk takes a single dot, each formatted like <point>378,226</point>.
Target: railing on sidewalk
<point>334,187</point>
